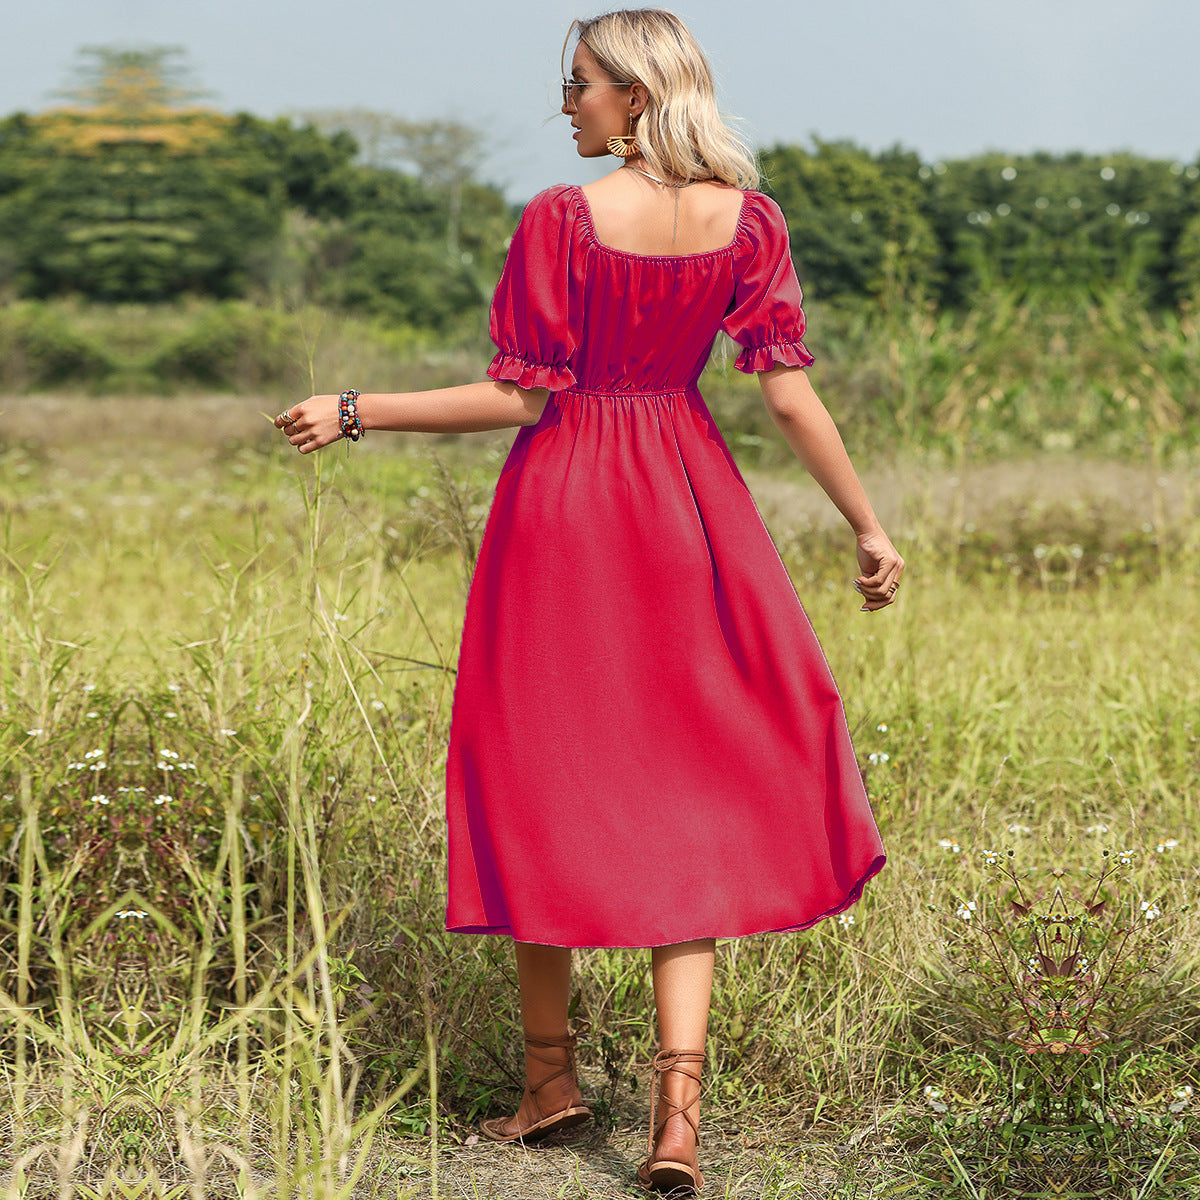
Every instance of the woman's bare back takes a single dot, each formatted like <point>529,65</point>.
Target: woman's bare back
<point>636,215</point>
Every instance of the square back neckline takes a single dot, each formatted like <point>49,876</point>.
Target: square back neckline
<point>586,210</point>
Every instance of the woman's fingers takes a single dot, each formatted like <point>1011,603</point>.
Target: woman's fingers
<point>311,424</point>
<point>880,588</point>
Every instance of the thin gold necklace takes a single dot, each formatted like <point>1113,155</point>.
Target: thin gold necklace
<point>676,186</point>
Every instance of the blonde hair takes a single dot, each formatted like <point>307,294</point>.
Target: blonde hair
<point>681,132</point>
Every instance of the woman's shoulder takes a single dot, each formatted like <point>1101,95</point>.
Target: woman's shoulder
<point>553,200</point>
<point>762,222</point>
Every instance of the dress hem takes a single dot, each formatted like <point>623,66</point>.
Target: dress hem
<point>850,898</point>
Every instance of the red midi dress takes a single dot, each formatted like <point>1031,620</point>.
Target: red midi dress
<point>647,745</point>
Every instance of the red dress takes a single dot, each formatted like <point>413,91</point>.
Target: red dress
<point>647,745</point>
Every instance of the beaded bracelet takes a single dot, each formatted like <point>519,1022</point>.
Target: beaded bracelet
<point>349,422</point>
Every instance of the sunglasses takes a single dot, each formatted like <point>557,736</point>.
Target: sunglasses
<point>573,90</point>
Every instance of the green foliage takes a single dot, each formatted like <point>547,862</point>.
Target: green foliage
<point>855,220</point>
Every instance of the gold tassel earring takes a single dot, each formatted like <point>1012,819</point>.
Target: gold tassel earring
<point>623,145</point>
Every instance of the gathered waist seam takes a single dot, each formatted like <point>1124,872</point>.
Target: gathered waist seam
<point>632,393</point>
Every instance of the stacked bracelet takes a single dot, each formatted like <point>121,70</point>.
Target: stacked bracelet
<point>349,423</point>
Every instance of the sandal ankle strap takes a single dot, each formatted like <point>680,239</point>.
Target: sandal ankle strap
<point>564,1041</point>
<point>670,1060</point>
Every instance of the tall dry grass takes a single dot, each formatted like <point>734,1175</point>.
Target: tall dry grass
<point>226,696</point>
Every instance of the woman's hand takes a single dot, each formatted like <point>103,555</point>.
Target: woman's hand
<point>311,424</point>
<point>881,567</point>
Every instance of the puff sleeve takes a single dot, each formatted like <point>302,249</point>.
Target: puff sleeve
<point>765,315</point>
<point>531,311</point>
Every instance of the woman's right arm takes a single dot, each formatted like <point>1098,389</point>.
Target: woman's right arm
<point>467,408</point>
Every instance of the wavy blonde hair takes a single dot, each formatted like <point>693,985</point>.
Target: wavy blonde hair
<point>681,132</point>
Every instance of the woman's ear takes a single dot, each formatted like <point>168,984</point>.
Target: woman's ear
<point>639,97</point>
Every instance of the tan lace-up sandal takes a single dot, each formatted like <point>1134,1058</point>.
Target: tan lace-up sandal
<point>666,1174</point>
<point>565,1118</point>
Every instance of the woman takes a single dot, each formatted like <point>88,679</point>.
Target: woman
<point>647,747</point>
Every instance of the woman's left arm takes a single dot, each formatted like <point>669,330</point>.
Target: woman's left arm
<point>809,430</point>
<point>468,408</point>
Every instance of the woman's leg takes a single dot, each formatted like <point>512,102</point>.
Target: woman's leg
<point>544,976</point>
<point>683,976</point>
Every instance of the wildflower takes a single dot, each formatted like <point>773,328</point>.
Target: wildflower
<point>932,1092</point>
<point>947,844</point>
<point>1125,857</point>
<point>1150,911</point>
<point>965,911</point>
<point>878,757</point>
<point>377,705</point>
<point>1163,847</point>
<point>1184,1093</point>
<point>881,728</point>
<point>98,766</point>
<point>162,798</point>
<point>229,733</point>
<point>34,732</point>
<point>1082,963</point>
<point>1018,829</point>
<point>94,754</point>
<point>990,858</point>
<point>93,714</point>
<point>133,912</point>
<point>371,798</point>
<point>99,799</point>
<point>172,687</point>
<point>89,687</point>
<point>1097,828</point>
<point>170,715</point>
<point>167,754</point>
<point>846,919</point>
<point>1034,964</point>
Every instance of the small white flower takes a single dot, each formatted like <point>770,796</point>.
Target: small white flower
<point>966,911</point>
<point>846,919</point>
<point>172,687</point>
<point>94,754</point>
<point>1082,963</point>
<point>1097,828</point>
<point>932,1092</point>
<point>170,715</point>
<point>990,858</point>
<point>133,912</point>
<point>377,705</point>
<point>229,733</point>
<point>98,766</point>
<point>99,799</point>
<point>34,732</point>
<point>1125,857</point>
<point>371,798</point>
<point>89,687</point>
<point>947,844</point>
<point>1034,964</point>
<point>881,728</point>
<point>167,754</point>
<point>93,714</point>
<point>1019,829</point>
<point>1150,911</point>
<point>878,757</point>
<point>1164,846</point>
<point>162,798</point>
<point>1184,1093</point>
<point>165,766</point>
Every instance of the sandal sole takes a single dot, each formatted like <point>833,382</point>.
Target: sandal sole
<point>567,1119</point>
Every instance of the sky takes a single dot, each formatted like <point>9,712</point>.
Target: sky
<point>946,78</point>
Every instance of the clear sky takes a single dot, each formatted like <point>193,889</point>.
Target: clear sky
<point>941,77</point>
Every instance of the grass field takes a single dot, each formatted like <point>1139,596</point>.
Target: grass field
<point>226,675</point>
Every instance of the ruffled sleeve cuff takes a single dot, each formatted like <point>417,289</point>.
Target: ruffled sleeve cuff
<point>526,373</point>
<point>763,358</point>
